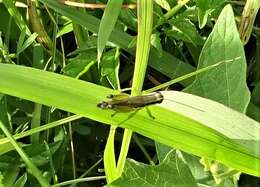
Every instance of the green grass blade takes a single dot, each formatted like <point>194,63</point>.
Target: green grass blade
<point>171,126</point>
<point>145,22</point>
<point>20,42</point>
<point>6,141</point>
<point>107,24</point>
<point>109,156</point>
<point>27,43</point>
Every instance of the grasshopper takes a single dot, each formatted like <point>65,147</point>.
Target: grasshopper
<point>125,103</point>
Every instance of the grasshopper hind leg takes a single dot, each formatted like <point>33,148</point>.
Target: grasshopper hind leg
<point>149,112</point>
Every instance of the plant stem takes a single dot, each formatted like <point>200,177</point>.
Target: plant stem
<point>145,18</point>
<point>87,179</point>
<point>179,79</point>
<point>36,122</point>
<point>175,9</point>
<point>146,154</point>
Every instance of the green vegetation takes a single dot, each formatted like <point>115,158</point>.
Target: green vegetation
<point>59,59</point>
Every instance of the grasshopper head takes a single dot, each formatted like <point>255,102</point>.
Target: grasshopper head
<point>104,105</point>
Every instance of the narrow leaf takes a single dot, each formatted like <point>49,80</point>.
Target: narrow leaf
<point>27,42</point>
<point>107,24</point>
<point>109,156</point>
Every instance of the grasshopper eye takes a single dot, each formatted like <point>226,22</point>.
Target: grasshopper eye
<point>103,105</point>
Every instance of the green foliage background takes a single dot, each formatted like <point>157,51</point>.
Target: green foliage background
<point>64,60</point>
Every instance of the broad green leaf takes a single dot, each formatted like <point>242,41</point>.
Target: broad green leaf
<point>196,125</point>
<point>206,8</point>
<point>110,68</point>
<point>185,30</point>
<point>162,150</point>
<point>165,64</point>
<point>107,24</point>
<point>173,171</point>
<point>80,64</point>
<point>227,83</point>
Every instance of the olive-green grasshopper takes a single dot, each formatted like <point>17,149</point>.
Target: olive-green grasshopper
<point>125,103</point>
